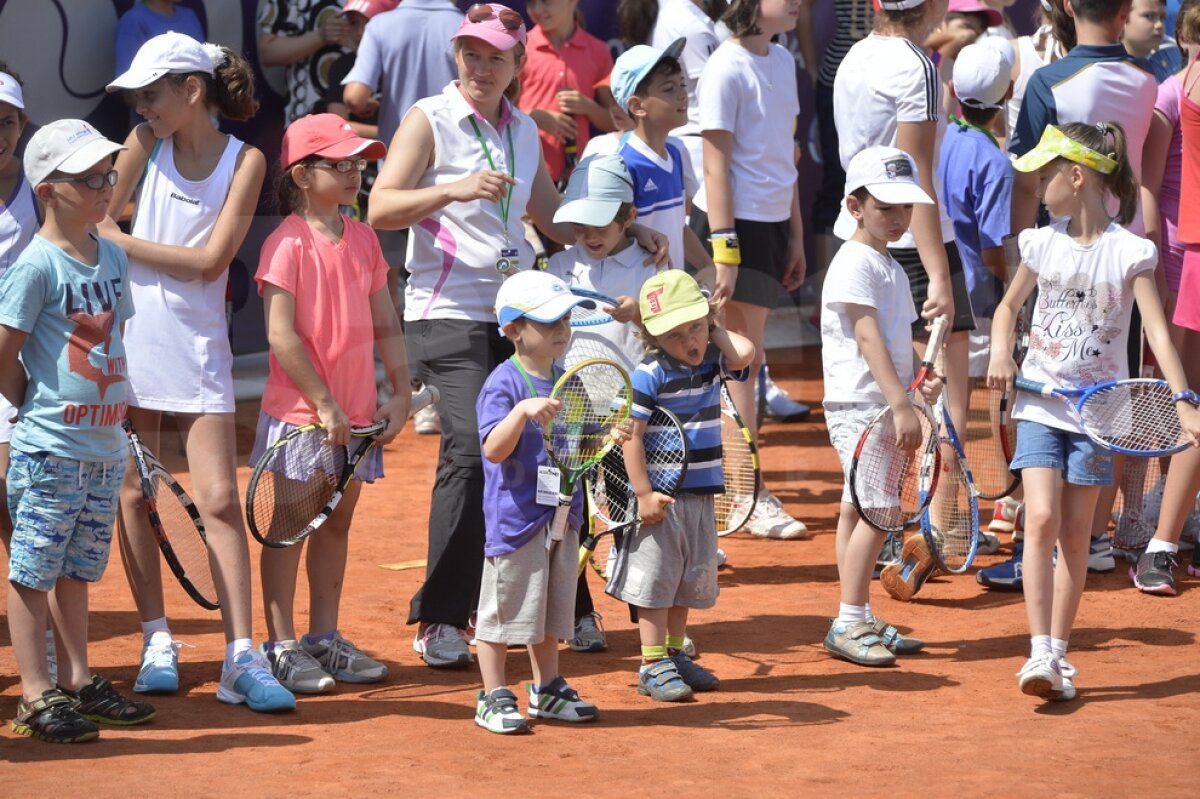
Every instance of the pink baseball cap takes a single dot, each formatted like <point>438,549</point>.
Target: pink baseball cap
<point>498,25</point>
<point>994,17</point>
<point>368,8</point>
<point>326,135</point>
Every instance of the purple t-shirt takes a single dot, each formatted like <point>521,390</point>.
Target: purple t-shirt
<point>511,514</point>
<point>1167,104</point>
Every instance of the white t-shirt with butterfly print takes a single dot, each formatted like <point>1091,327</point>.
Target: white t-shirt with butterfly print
<point>1080,322</point>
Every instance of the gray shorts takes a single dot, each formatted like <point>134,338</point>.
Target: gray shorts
<point>529,594</point>
<point>672,563</point>
<point>846,422</point>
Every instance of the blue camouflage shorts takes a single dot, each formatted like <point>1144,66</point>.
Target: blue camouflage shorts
<point>62,512</point>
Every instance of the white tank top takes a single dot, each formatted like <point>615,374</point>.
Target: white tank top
<point>1031,61</point>
<point>18,223</point>
<point>452,253</point>
<point>177,343</point>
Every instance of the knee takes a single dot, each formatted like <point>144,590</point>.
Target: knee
<point>1040,522</point>
<point>218,499</point>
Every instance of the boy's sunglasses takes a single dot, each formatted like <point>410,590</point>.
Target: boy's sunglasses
<point>482,12</point>
<point>355,164</point>
<point>95,182</point>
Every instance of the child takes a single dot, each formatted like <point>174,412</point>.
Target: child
<point>667,564</point>
<point>867,313</point>
<point>564,64</point>
<point>324,286</point>
<point>1086,267</point>
<point>1143,38</point>
<point>749,206</point>
<point>306,36</point>
<point>62,306</point>
<point>196,192</point>
<point>527,594</point>
<point>147,19</point>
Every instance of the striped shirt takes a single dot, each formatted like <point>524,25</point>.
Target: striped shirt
<point>694,395</point>
<point>853,20</point>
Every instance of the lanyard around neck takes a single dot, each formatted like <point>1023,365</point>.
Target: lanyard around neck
<point>533,394</point>
<point>962,123</point>
<point>505,202</point>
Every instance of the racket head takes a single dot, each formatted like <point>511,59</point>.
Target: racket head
<point>596,315</point>
<point>182,538</point>
<point>990,440</point>
<point>595,396</point>
<point>889,486</point>
<point>741,469</point>
<point>1137,505</point>
<point>1134,417</point>
<point>951,522</point>
<point>294,480</point>
<point>666,451</point>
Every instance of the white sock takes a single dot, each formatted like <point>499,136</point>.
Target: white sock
<point>149,628</point>
<point>1058,648</point>
<point>1158,545</point>
<point>870,619</point>
<point>237,647</point>
<point>851,614</point>
<point>1040,645</point>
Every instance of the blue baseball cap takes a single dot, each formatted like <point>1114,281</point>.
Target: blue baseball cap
<point>536,295</point>
<point>633,65</point>
<point>595,191</point>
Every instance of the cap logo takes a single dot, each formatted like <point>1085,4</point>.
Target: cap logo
<point>79,134</point>
<point>652,299</point>
<point>898,168</point>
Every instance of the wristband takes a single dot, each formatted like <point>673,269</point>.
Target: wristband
<point>1187,396</point>
<point>726,249</point>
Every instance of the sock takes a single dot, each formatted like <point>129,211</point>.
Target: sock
<point>1158,545</point>
<point>653,654</point>
<point>1058,648</point>
<point>1039,645</point>
<point>316,639</point>
<point>149,628</point>
<point>237,647</point>
<point>870,614</point>
<point>674,643</point>
<point>851,614</point>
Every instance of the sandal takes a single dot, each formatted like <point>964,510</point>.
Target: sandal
<point>52,717</point>
<point>99,701</point>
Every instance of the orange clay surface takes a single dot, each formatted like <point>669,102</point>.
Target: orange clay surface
<point>787,720</point>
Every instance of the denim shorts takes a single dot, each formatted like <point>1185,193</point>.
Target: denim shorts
<point>63,512</point>
<point>1082,461</point>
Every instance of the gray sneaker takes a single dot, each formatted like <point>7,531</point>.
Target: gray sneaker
<point>442,646</point>
<point>589,634</point>
<point>297,670</point>
<point>698,678</point>
<point>344,660</point>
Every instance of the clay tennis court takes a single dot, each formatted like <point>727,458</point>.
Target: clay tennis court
<point>788,719</point>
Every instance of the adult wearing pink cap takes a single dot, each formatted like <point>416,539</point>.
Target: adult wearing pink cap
<point>462,170</point>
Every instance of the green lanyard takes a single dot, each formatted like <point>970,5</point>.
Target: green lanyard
<point>533,394</point>
<point>504,202</point>
<point>964,124</point>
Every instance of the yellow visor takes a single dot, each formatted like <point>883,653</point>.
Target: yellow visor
<point>1055,144</point>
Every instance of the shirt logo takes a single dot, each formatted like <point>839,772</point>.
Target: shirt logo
<point>652,299</point>
<point>650,185</point>
<point>898,168</point>
<point>181,198</point>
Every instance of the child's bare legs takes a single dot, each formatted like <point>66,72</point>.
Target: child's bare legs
<point>543,658</point>
<point>1070,573</point>
<point>652,628</point>
<point>68,606</point>
<point>139,550</point>
<point>677,618</point>
<point>848,518</point>
<point>491,657</point>
<point>28,613</point>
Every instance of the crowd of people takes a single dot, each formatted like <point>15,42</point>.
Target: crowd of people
<point>446,178</point>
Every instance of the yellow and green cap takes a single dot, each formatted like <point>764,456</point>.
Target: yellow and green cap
<point>669,299</point>
<point>1056,144</point>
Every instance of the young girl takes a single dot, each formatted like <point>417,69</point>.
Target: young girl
<point>324,286</point>
<point>748,108</point>
<point>196,191</point>
<point>1086,268</point>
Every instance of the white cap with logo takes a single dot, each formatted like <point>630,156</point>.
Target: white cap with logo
<point>537,295</point>
<point>67,145</point>
<point>890,175</point>
<point>167,54</point>
<point>10,91</point>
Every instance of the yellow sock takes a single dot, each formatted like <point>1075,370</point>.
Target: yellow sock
<point>675,643</point>
<point>653,654</point>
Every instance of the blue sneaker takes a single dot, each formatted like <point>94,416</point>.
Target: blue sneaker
<point>779,405</point>
<point>1006,575</point>
<point>248,679</point>
<point>160,666</point>
<point>1100,554</point>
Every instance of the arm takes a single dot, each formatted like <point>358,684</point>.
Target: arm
<point>737,349</point>
<point>1036,113</point>
<point>358,87</point>
<point>918,140</point>
<point>1154,162</point>
<point>389,339</point>
<point>359,98</point>
<point>275,50</point>
<point>693,250</point>
<point>993,259</point>
<point>576,103</point>
<point>505,436</point>
<point>793,275</point>
<point>1154,322</point>
<point>718,189</point>
<point>1002,368</point>
<point>804,38</point>
<point>13,380</point>
<point>865,323</point>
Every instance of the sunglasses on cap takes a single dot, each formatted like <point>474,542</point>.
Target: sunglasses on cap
<point>482,12</point>
<point>95,181</point>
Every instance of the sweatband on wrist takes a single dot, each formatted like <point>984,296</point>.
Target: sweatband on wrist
<point>726,249</point>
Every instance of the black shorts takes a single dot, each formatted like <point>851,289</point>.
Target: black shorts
<point>918,279</point>
<point>764,248</point>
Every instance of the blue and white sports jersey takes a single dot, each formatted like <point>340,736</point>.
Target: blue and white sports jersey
<point>694,395</point>
<point>658,192</point>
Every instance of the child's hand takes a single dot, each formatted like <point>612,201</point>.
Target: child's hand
<point>539,409</point>
<point>652,507</point>
<point>573,102</point>
<point>726,280</point>
<point>931,387</point>
<point>337,424</point>
<point>1189,419</point>
<point>561,126</point>
<point>622,432</point>
<point>489,184</point>
<point>395,411</point>
<point>1002,369</point>
<point>908,427</point>
<point>626,309</point>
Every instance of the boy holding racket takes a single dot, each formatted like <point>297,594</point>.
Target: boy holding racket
<point>667,564</point>
<point>867,312</point>
<point>527,595</point>
<point>62,305</point>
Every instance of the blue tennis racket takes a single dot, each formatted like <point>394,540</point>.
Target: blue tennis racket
<point>1133,417</point>
<point>597,315</point>
<point>951,522</point>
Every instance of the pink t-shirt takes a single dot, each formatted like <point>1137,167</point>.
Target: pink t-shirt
<point>1167,104</point>
<point>332,283</point>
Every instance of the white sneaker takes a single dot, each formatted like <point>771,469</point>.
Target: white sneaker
<point>770,520</point>
<point>427,422</point>
<point>296,670</point>
<point>1068,682</point>
<point>1041,676</point>
<point>1004,515</point>
<point>722,558</point>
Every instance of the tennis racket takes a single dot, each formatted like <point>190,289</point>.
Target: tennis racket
<point>587,317</point>
<point>1138,503</point>
<point>891,486</point>
<point>595,396</point>
<point>610,492</point>
<point>739,462</point>
<point>991,439</point>
<point>951,522</point>
<point>1133,417</point>
<point>300,479</point>
<point>177,525</point>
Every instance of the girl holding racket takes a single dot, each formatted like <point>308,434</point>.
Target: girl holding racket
<point>1086,268</point>
<point>323,280</point>
<point>194,190</point>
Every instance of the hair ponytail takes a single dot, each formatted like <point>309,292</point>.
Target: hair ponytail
<point>1063,26</point>
<point>636,20</point>
<point>232,87</point>
<point>1108,138</point>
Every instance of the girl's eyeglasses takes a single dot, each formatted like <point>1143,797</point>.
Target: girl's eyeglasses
<point>482,12</point>
<point>356,164</point>
<point>95,181</point>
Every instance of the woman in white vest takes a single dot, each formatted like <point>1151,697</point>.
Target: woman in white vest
<point>196,191</point>
<point>462,170</point>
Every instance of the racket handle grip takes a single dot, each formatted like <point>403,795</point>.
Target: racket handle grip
<point>559,525</point>
<point>427,396</point>
<point>1033,387</point>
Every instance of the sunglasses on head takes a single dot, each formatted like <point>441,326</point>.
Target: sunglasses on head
<point>482,12</point>
<point>355,164</point>
<point>95,181</point>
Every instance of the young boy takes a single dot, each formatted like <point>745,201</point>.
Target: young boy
<point>527,594</point>
<point>1143,38</point>
<point>61,307</point>
<point>866,315</point>
<point>667,564</point>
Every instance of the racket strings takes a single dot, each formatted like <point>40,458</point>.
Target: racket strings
<point>1138,503</point>
<point>666,465</point>
<point>740,467</point>
<point>953,514</point>
<point>185,539</point>
<point>594,399</point>
<point>985,443</point>
<point>295,483</point>
<point>1136,415</point>
<point>892,484</point>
